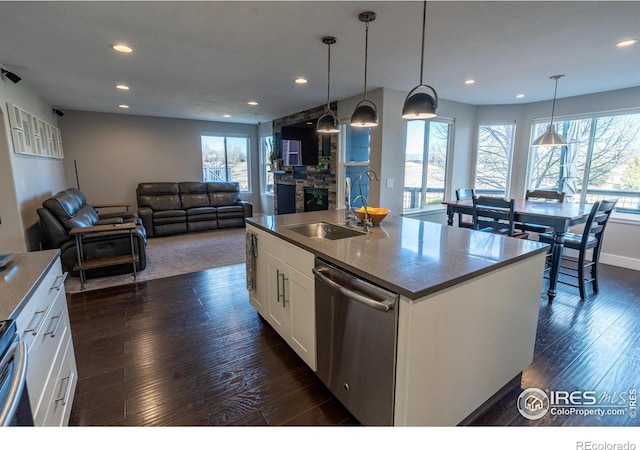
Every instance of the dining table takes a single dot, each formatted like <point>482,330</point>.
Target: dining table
<point>559,217</point>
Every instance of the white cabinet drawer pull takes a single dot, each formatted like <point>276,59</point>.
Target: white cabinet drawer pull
<point>55,330</point>
<point>36,328</point>
<point>67,391</point>
<point>57,285</point>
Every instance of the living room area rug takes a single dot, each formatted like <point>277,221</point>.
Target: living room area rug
<point>175,255</point>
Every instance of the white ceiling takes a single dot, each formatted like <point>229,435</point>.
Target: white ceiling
<point>200,60</point>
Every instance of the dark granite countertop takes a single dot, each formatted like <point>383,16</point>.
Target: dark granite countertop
<point>20,278</point>
<point>408,256</point>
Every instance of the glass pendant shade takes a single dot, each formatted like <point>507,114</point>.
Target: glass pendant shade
<point>365,115</point>
<point>420,105</point>
<point>328,123</point>
<point>550,138</point>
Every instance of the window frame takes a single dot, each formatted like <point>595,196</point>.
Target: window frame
<point>508,183</point>
<point>425,158</point>
<point>343,164</point>
<point>265,164</point>
<point>225,136</point>
<point>593,118</point>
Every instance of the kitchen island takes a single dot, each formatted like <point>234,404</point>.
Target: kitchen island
<point>467,311</point>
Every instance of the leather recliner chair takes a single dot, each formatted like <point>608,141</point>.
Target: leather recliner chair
<point>69,209</point>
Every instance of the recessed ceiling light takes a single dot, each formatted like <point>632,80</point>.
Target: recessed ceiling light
<point>252,103</point>
<point>122,87</point>
<point>123,106</point>
<point>226,115</point>
<point>469,81</point>
<point>122,48</point>
<point>626,43</point>
<point>520,96</point>
<point>301,80</point>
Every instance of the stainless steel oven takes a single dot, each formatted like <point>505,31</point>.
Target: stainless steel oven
<point>356,328</point>
<point>15,408</point>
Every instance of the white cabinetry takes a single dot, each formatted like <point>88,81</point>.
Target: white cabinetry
<point>43,324</point>
<point>284,292</point>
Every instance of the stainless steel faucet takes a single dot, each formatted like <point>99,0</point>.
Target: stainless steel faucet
<point>367,222</point>
<point>349,216</point>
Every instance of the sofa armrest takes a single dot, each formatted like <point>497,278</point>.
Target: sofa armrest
<point>146,216</point>
<point>109,221</point>
<point>113,205</point>
<point>248,208</point>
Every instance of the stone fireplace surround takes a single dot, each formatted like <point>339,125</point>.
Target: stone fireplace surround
<point>305,177</point>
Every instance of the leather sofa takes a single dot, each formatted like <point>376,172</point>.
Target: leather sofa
<point>167,208</point>
<point>69,209</point>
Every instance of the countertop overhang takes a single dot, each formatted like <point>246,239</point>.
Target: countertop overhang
<point>20,279</point>
<point>412,257</point>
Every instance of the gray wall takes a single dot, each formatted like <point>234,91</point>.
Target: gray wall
<point>25,181</point>
<point>388,146</point>
<point>115,152</point>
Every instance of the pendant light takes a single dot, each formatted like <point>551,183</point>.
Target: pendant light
<point>550,138</point>
<point>366,113</point>
<point>328,121</point>
<point>421,105</point>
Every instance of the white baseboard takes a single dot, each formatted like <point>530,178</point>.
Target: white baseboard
<point>620,261</point>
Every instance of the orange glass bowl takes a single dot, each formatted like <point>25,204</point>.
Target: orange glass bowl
<point>376,215</point>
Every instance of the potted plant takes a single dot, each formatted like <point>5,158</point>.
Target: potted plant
<point>323,163</point>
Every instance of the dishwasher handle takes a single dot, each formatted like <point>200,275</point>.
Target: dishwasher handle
<point>16,385</point>
<point>384,306</point>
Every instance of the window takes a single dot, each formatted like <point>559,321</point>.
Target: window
<point>425,165</point>
<point>226,158</point>
<point>268,152</point>
<point>356,160</point>
<point>601,160</point>
<point>493,158</point>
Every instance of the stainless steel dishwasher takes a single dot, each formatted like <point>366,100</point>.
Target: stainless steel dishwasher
<point>356,328</point>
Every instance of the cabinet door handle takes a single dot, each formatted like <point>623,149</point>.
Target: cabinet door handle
<point>284,291</point>
<point>59,285</point>
<point>278,285</point>
<point>55,330</point>
<point>36,329</point>
<point>67,391</point>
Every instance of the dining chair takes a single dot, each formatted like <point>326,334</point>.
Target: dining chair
<point>495,215</point>
<point>545,196</point>
<point>464,194</point>
<point>590,239</point>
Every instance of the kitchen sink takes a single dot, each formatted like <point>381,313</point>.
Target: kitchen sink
<point>324,230</point>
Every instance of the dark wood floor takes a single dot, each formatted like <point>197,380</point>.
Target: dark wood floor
<point>190,350</point>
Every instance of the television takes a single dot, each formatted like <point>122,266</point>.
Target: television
<point>300,144</point>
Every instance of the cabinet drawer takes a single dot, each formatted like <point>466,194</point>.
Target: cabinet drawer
<point>296,257</point>
<point>60,390</point>
<point>32,318</point>
<point>46,346</point>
